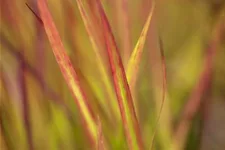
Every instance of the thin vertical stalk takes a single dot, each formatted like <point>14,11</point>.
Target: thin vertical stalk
<point>125,101</point>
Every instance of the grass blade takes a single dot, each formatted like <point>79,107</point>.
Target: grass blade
<point>196,98</point>
<point>134,61</point>
<point>100,142</point>
<point>105,78</point>
<point>124,29</point>
<point>68,72</point>
<point>25,102</point>
<point>35,73</point>
<point>123,93</point>
<point>164,83</point>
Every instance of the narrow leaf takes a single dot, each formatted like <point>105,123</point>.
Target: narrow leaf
<point>123,93</point>
<point>134,61</point>
<point>91,33</point>
<point>100,142</point>
<point>124,29</point>
<point>35,14</point>
<point>68,72</point>
<point>50,92</point>
<point>26,110</point>
<point>164,83</point>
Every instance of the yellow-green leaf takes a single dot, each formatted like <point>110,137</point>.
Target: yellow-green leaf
<point>134,61</point>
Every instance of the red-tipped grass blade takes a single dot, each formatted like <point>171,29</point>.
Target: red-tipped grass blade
<point>69,73</point>
<point>129,118</point>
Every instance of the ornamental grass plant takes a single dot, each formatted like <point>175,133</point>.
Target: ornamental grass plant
<point>112,75</point>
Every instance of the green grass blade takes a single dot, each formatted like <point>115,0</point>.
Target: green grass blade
<point>105,78</point>
<point>129,118</point>
<point>164,83</point>
<point>134,61</point>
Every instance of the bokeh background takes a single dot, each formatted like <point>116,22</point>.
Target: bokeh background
<point>37,111</point>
